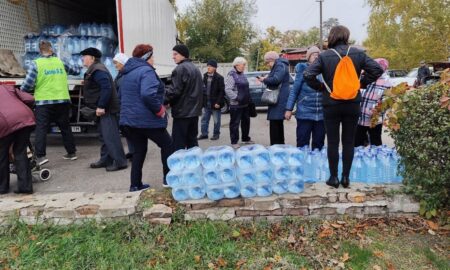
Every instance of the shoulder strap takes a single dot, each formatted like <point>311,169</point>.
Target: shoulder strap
<point>348,50</point>
<point>338,54</point>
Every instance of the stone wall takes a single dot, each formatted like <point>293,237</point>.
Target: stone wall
<point>318,201</point>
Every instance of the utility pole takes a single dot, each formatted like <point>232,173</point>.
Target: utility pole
<point>321,31</point>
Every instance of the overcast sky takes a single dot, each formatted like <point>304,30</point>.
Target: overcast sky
<point>304,14</point>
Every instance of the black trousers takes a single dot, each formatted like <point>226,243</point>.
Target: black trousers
<point>139,138</point>
<point>109,136</point>
<point>46,114</point>
<point>346,114</point>
<point>374,135</point>
<point>239,116</point>
<point>20,140</point>
<point>276,132</point>
<point>184,132</point>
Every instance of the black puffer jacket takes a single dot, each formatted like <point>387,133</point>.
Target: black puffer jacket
<point>185,94</point>
<point>326,65</point>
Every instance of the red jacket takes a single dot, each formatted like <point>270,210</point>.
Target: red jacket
<point>14,111</point>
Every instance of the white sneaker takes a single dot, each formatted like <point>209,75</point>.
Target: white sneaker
<point>166,186</point>
<point>235,146</point>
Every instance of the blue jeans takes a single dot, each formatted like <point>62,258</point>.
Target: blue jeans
<point>207,112</point>
<point>307,127</point>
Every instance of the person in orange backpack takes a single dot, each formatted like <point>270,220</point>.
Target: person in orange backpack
<point>341,68</point>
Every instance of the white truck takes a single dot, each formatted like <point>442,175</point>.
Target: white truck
<point>134,22</point>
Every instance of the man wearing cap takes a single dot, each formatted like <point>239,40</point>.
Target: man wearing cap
<point>100,94</point>
<point>185,96</point>
<point>48,76</point>
<point>423,72</point>
<point>213,100</point>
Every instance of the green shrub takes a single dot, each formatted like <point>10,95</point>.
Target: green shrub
<point>419,122</point>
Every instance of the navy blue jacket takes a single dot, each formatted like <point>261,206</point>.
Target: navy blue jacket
<point>309,101</point>
<point>141,96</point>
<point>278,74</point>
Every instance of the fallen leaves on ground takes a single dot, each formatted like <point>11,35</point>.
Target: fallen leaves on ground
<point>345,257</point>
<point>240,263</point>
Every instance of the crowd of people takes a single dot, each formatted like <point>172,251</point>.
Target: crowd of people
<point>135,104</point>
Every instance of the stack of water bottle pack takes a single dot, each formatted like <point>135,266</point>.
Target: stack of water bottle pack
<point>220,172</point>
<point>376,165</point>
<point>68,42</point>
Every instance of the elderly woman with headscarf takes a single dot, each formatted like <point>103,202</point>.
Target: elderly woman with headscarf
<point>238,92</point>
<point>370,97</point>
<point>278,78</point>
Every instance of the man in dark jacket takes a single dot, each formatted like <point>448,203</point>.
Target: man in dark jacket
<point>185,96</point>
<point>213,100</point>
<point>423,72</point>
<point>100,94</point>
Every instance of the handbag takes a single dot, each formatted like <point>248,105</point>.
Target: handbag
<point>252,110</point>
<point>271,96</point>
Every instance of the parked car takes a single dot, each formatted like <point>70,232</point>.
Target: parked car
<point>395,73</point>
<point>256,88</point>
<point>410,78</point>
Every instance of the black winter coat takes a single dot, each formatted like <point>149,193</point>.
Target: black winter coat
<point>185,94</point>
<point>326,64</point>
<point>217,90</point>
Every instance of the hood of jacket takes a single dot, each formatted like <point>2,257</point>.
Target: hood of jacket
<point>134,63</point>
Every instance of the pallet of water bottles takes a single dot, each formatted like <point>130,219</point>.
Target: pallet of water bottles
<point>68,42</point>
<point>254,170</point>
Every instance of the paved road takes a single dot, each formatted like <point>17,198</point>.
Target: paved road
<point>76,176</point>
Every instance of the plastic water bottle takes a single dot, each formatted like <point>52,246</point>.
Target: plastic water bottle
<point>247,182</point>
<point>261,156</point>
<point>210,157</point>
<point>176,160</point>
<point>76,45</point>
<point>231,190</point>
<point>104,30</point>
<point>215,192</point>
<point>396,172</point>
<point>84,43</point>
<point>370,167</point>
<point>83,29</point>
<point>264,182</point>
<point>211,176</point>
<point>194,181</point>
<point>279,154</point>
<point>316,164</point>
<point>227,174</point>
<point>244,157</point>
<point>357,167</point>
<point>92,42</point>
<point>192,158</point>
<point>282,175</point>
<point>296,183</point>
<point>308,172</point>
<point>296,157</point>
<point>383,166</point>
<point>226,156</point>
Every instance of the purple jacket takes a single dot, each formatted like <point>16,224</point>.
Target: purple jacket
<point>14,111</point>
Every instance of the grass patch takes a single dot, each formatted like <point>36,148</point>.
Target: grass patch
<point>290,244</point>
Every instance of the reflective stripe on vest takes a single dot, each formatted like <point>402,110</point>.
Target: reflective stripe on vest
<point>51,81</point>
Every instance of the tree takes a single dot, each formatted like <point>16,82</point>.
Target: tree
<point>275,40</point>
<point>219,29</point>
<point>327,25</point>
<point>408,31</point>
